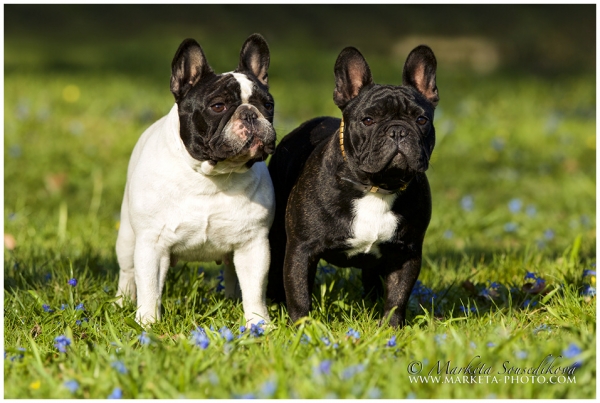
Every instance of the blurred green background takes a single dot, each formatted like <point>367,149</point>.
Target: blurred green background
<point>516,118</point>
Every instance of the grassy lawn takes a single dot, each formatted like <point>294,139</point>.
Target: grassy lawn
<point>508,277</point>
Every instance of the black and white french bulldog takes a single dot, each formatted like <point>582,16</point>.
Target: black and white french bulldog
<point>353,191</point>
<point>197,187</point>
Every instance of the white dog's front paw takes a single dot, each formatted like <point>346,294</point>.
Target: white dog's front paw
<point>146,318</point>
<point>257,320</point>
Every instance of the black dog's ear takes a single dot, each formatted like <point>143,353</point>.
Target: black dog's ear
<point>254,58</point>
<point>188,67</point>
<point>351,74</point>
<point>419,72</point>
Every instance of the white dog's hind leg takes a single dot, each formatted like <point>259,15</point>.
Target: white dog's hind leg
<point>252,267</point>
<point>125,248</point>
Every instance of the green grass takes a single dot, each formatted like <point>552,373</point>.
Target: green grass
<point>524,141</point>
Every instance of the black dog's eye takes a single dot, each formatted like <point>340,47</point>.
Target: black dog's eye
<point>269,106</point>
<point>421,120</point>
<point>218,107</point>
<point>368,121</point>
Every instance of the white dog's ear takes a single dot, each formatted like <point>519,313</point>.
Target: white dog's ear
<point>352,73</point>
<point>420,73</point>
<point>188,67</point>
<point>255,58</point>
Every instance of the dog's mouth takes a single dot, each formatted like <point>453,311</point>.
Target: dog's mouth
<point>397,172</point>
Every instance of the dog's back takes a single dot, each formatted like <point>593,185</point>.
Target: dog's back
<point>285,167</point>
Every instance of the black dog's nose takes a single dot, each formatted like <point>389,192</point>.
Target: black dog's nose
<point>398,132</point>
<point>248,115</point>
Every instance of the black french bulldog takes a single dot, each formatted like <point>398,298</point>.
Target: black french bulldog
<point>354,192</point>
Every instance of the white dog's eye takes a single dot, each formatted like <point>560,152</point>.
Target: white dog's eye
<point>421,120</point>
<point>218,107</point>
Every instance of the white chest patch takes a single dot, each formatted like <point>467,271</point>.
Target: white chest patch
<point>246,86</point>
<point>374,222</point>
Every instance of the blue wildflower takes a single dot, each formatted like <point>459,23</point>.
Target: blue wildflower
<point>391,342</point>
<point>325,341</point>
<point>63,307</point>
<point>549,234</point>
<point>491,344</point>
<point>352,370</point>
<point>529,303</point>
<point>530,276</point>
<point>256,330</point>
<point>571,351</point>
<point>119,366</point>
<point>79,307</point>
<point>448,234</point>
<point>199,338</point>
<point>466,310</point>
<point>467,203</point>
<point>117,393</point>
<point>226,333</point>
<point>72,282</point>
<point>324,367</point>
<point>411,395</point>
<point>268,389</point>
<point>327,269</point>
<point>18,356</point>
<point>472,345</point>
<point>440,338</point>
<point>515,205</point>
<point>47,277</point>
<point>144,339</point>
<point>61,343</point>
<point>221,278</point>
<point>47,308</point>
<point>78,322</point>
<point>531,210</point>
<point>353,333</point>
<point>72,385</point>
<point>589,273</point>
<point>242,329</point>
<point>495,285</point>
<point>213,378</point>
<point>510,227</point>
<point>305,339</point>
<point>374,393</point>
<point>521,354</point>
<point>589,291</point>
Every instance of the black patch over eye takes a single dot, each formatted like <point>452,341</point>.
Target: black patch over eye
<point>368,121</point>
<point>421,120</point>
<point>269,106</point>
<point>218,107</point>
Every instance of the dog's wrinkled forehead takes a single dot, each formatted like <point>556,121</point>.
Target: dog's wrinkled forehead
<point>229,87</point>
<point>390,99</point>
